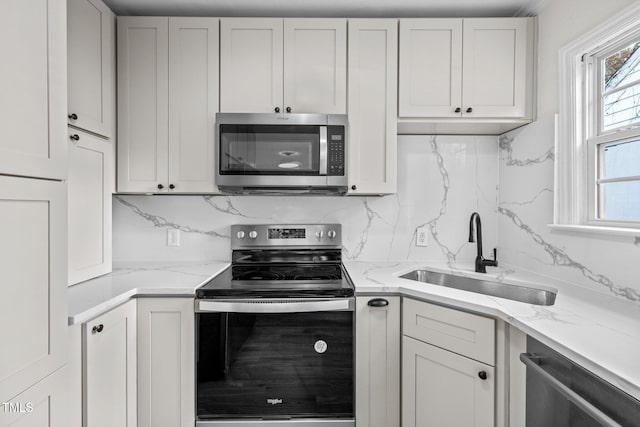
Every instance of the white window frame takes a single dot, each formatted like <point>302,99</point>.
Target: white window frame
<point>575,167</point>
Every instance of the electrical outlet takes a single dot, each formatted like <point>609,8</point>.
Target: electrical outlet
<point>173,237</point>
<point>422,234</point>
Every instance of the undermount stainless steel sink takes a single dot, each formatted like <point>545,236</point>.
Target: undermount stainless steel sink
<point>502,290</point>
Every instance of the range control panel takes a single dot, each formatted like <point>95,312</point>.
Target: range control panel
<point>265,235</point>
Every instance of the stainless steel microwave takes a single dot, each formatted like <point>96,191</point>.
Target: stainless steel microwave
<point>281,153</point>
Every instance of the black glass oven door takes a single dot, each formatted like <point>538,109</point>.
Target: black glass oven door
<point>269,150</point>
<point>274,365</point>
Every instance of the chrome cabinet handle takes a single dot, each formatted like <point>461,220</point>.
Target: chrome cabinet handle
<point>469,110</point>
<point>277,109</point>
<point>531,360</point>
<point>73,116</point>
<point>482,375</point>
<point>457,110</point>
<point>288,109</point>
<point>75,137</point>
<point>97,329</point>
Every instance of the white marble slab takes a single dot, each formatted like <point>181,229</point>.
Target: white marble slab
<point>94,297</point>
<point>600,332</point>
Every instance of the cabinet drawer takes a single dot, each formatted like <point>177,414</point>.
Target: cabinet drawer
<point>463,333</point>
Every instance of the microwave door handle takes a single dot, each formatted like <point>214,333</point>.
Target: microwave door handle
<point>323,151</point>
<point>530,361</point>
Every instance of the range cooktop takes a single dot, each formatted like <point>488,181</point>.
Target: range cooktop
<point>298,261</point>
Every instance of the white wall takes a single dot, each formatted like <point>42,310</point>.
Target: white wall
<point>441,181</point>
<point>606,264</point>
<point>559,23</point>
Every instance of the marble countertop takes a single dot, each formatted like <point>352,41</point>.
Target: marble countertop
<point>89,299</point>
<point>598,331</point>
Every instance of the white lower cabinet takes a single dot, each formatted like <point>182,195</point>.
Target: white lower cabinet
<point>44,404</point>
<point>377,361</point>
<point>109,368</point>
<point>166,372</point>
<point>441,388</point>
<point>33,304</point>
<point>443,382</point>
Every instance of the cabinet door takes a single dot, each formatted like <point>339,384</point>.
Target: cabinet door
<point>143,90</point>
<point>33,262</point>
<point>109,368</point>
<point>33,84</point>
<point>90,40</point>
<point>45,404</point>
<point>440,388</point>
<point>193,90</point>
<point>430,68</point>
<point>166,368</point>
<point>373,65</point>
<point>315,66</point>
<point>90,178</point>
<point>495,67</point>
<point>378,361</point>
<point>251,65</point>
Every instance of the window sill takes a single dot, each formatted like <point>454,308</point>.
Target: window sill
<point>592,229</point>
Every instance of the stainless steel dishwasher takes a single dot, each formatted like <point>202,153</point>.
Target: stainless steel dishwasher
<point>561,393</point>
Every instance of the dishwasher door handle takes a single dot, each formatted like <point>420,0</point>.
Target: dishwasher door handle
<point>530,361</point>
<point>274,306</point>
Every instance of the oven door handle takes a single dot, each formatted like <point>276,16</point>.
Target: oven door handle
<point>274,306</point>
<point>530,361</point>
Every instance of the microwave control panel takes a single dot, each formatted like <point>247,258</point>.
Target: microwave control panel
<point>336,150</point>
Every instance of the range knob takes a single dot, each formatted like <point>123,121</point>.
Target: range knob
<point>331,234</point>
<point>319,234</point>
<point>253,234</point>
<point>240,234</point>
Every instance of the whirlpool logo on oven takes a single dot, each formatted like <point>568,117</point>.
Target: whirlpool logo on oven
<point>274,401</point>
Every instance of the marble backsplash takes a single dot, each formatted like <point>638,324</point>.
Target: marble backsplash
<point>441,181</point>
<point>599,262</point>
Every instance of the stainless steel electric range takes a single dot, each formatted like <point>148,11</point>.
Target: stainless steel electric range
<point>274,331</point>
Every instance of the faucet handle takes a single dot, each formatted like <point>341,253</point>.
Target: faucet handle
<point>495,254</point>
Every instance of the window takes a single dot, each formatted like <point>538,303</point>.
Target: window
<point>598,141</point>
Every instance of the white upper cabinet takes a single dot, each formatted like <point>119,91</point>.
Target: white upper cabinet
<point>143,90</point>
<point>494,75</point>
<point>475,72</point>
<point>251,65</point>
<point>431,67</point>
<point>273,65</point>
<point>373,108</point>
<point>90,32</point>
<point>167,100</point>
<point>33,85</point>
<point>90,188</point>
<point>193,103</point>
<point>33,262</point>
<point>315,65</point>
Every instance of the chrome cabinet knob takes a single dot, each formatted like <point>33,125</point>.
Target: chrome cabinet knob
<point>253,234</point>
<point>240,234</point>
<point>331,234</point>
